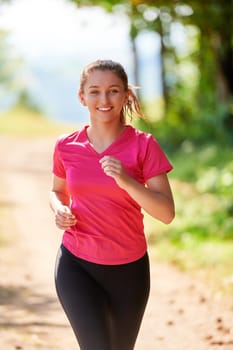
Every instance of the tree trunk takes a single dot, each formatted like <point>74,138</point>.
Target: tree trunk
<point>133,36</point>
<point>164,85</point>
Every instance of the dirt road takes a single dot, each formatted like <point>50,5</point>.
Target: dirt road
<point>182,313</point>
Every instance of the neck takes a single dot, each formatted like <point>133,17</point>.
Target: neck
<point>105,131</point>
<point>101,136</point>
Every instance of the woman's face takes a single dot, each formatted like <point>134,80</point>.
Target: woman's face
<point>104,95</point>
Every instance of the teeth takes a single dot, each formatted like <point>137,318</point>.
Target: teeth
<point>104,109</point>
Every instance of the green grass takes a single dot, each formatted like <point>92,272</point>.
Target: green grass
<point>209,259</point>
<point>192,251</point>
<point>200,238</point>
<point>21,122</point>
<point>207,164</point>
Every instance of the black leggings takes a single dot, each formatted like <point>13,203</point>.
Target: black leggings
<point>104,303</point>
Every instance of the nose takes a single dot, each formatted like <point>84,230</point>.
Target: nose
<point>104,97</point>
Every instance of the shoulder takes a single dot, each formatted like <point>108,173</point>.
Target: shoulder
<point>142,136</point>
<point>67,139</point>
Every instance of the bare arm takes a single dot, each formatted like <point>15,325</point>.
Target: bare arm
<point>60,203</point>
<point>156,198</point>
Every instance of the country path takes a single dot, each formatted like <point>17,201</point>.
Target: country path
<point>182,313</point>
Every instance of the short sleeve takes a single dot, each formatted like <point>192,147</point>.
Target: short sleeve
<point>155,161</point>
<point>58,167</point>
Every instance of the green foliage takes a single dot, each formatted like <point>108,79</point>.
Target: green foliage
<point>107,5</point>
<point>209,170</point>
<point>9,64</point>
<point>202,181</point>
<point>4,1</point>
<point>26,101</point>
<point>11,76</point>
<point>201,235</point>
<point>198,77</point>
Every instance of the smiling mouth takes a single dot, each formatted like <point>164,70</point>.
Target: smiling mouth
<point>104,109</point>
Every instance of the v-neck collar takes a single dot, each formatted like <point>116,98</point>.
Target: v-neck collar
<point>107,149</point>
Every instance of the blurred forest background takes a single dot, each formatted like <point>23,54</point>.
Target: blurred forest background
<point>192,119</point>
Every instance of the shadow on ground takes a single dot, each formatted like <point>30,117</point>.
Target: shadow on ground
<point>21,300</point>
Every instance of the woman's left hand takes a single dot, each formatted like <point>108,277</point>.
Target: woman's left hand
<point>155,198</point>
<point>114,168</point>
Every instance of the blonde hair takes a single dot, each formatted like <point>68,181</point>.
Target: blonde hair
<point>133,105</point>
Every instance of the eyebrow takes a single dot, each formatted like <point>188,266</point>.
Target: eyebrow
<point>96,86</point>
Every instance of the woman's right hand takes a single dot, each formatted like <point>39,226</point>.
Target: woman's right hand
<point>64,218</point>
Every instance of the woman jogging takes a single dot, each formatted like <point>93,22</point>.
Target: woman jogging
<point>103,176</point>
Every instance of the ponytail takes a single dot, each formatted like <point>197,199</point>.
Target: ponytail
<point>132,106</point>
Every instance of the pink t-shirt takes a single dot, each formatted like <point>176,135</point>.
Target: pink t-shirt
<point>109,227</point>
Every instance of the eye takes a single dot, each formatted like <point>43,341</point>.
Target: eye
<point>113,91</point>
<point>94,92</point>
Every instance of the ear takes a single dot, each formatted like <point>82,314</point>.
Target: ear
<point>126,98</point>
<point>81,98</point>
